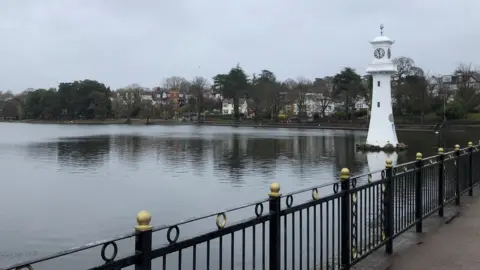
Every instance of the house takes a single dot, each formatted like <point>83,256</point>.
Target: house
<point>362,104</point>
<point>160,96</point>
<point>451,82</point>
<point>447,85</point>
<point>315,103</point>
<point>168,97</point>
<point>227,106</point>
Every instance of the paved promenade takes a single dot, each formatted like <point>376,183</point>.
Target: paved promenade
<point>452,246</point>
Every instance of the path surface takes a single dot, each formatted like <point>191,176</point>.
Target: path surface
<point>453,246</point>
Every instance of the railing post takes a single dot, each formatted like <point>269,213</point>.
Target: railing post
<point>457,174</point>
<point>441,182</point>
<point>470,168</point>
<point>143,241</point>
<point>274,227</point>
<point>388,206</point>
<point>345,215</point>
<point>418,192</point>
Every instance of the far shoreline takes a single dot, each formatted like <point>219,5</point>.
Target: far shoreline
<point>321,125</point>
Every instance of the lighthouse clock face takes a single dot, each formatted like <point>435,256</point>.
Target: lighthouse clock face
<point>379,53</point>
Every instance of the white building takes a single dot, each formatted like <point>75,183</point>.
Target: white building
<point>147,98</point>
<point>227,106</point>
<point>451,82</point>
<point>361,104</point>
<point>316,103</point>
<point>381,130</point>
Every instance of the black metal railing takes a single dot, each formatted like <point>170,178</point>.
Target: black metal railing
<point>333,226</point>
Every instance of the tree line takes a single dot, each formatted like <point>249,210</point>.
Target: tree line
<point>415,94</point>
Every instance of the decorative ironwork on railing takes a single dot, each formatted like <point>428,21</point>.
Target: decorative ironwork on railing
<point>332,226</point>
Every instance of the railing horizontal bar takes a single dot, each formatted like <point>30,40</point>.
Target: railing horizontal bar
<point>367,173</point>
<point>402,173</point>
<point>310,203</point>
<point>70,251</point>
<point>190,220</point>
<point>368,185</point>
<point>404,164</point>
<point>430,165</point>
<point>173,247</point>
<point>118,264</point>
<point>408,227</point>
<point>430,212</point>
<point>310,188</point>
<point>370,251</point>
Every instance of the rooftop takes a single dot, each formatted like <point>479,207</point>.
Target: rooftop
<point>381,39</point>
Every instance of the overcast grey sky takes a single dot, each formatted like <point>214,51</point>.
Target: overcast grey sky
<point>120,42</point>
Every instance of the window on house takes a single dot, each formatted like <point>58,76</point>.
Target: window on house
<point>378,83</point>
<point>378,104</point>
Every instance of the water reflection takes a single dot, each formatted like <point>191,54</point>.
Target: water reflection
<point>376,162</point>
<point>83,152</point>
<point>76,154</point>
<point>345,154</point>
<point>231,157</point>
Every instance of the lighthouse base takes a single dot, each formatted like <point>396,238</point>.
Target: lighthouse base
<point>387,148</point>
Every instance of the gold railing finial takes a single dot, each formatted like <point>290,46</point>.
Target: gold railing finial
<point>344,174</point>
<point>388,163</point>
<point>143,221</point>
<point>274,190</point>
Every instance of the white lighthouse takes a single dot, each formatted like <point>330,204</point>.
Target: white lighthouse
<point>381,130</point>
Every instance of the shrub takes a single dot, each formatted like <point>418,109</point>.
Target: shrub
<point>339,115</point>
<point>360,113</point>
<point>453,111</point>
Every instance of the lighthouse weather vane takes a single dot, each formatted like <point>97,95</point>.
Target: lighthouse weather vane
<point>381,29</point>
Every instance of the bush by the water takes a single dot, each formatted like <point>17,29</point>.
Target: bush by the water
<point>453,111</point>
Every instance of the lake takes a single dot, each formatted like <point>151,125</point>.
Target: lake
<point>67,185</point>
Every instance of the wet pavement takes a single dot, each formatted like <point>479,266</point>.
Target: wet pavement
<point>451,242</point>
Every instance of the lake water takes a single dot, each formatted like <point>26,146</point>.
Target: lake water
<point>67,185</point>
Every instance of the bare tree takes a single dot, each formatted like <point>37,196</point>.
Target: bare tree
<point>198,88</point>
<point>174,82</point>
<point>410,88</point>
<point>129,99</point>
<point>406,67</point>
<point>290,84</point>
<point>322,89</point>
<point>6,95</point>
<point>466,76</point>
<point>468,92</point>
<point>299,92</point>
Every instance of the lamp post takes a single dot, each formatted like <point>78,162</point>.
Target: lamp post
<point>444,108</point>
<point>439,140</point>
